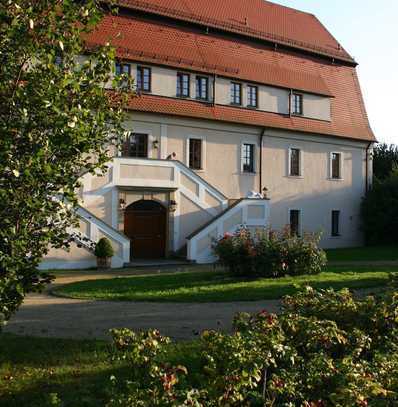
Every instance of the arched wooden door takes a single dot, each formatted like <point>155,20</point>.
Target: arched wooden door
<point>145,225</point>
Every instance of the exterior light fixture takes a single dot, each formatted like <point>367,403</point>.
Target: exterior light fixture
<point>265,193</point>
<point>122,204</point>
<point>155,143</point>
<point>172,206</point>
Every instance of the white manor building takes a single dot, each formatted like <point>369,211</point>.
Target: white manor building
<point>236,98</point>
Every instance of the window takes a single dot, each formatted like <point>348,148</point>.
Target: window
<point>297,104</point>
<point>136,145</point>
<point>335,164</point>
<point>144,79</point>
<point>294,215</point>
<point>252,96</point>
<point>248,157</point>
<point>295,162</point>
<point>195,154</point>
<point>335,223</point>
<point>183,84</point>
<point>121,69</point>
<point>202,87</point>
<point>236,93</point>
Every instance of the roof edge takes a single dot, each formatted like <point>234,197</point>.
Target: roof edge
<point>175,14</point>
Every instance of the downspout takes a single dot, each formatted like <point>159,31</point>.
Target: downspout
<point>262,135</point>
<point>367,167</point>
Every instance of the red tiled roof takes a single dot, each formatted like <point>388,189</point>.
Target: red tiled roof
<point>154,42</point>
<point>255,18</point>
<point>192,109</point>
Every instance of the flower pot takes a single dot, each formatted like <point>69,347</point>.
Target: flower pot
<point>104,263</point>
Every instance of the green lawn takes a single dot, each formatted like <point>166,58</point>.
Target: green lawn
<point>378,253</point>
<point>78,371</point>
<point>219,286</point>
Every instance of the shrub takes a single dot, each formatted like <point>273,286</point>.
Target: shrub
<point>380,212</point>
<point>326,348</point>
<point>104,248</point>
<point>270,254</point>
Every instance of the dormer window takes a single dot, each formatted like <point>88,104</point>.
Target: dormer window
<point>297,104</point>
<point>122,69</point>
<point>183,85</point>
<point>202,88</point>
<point>236,93</point>
<point>252,96</point>
<point>143,79</point>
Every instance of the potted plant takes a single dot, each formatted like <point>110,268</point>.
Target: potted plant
<point>104,252</point>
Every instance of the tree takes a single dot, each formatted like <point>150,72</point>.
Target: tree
<point>385,161</point>
<point>56,121</point>
<point>380,212</point>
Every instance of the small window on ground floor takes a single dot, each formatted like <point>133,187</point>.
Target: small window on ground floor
<point>335,223</point>
<point>295,222</point>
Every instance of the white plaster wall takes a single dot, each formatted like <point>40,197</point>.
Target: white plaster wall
<point>314,193</point>
<point>316,107</point>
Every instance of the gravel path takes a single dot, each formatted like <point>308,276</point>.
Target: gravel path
<point>49,316</point>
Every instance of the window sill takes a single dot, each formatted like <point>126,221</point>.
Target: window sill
<point>336,179</point>
<point>336,237</point>
<point>248,173</point>
<point>296,176</point>
<point>197,169</point>
<point>252,107</point>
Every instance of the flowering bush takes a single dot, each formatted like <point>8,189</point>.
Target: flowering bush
<point>325,349</point>
<point>270,254</point>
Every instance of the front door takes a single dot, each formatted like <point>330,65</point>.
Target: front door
<point>145,225</point>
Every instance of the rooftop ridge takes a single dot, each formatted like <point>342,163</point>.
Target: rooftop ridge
<point>237,28</point>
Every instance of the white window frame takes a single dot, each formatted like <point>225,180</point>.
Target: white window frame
<point>301,158</point>
<point>341,167</point>
<point>300,219</point>
<point>203,163</point>
<point>254,157</point>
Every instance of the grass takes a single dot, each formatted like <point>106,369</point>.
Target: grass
<point>377,253</point>
<point>78,371</point>
<point>219,286</point>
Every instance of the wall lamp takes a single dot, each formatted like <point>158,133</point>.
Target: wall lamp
<point>172,206</point>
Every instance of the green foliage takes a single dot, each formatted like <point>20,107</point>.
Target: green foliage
<point>270,254</point>
<point>380,213</point>
<point>385,161</point>
<point>325,349</point>
<point>104,248</point>
<point>56,122</point>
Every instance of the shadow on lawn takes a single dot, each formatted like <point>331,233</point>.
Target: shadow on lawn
<point>33,368</point>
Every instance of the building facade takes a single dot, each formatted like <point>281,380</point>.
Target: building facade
<point>247,113</point>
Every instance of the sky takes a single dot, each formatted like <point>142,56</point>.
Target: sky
<point>368,30</point>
